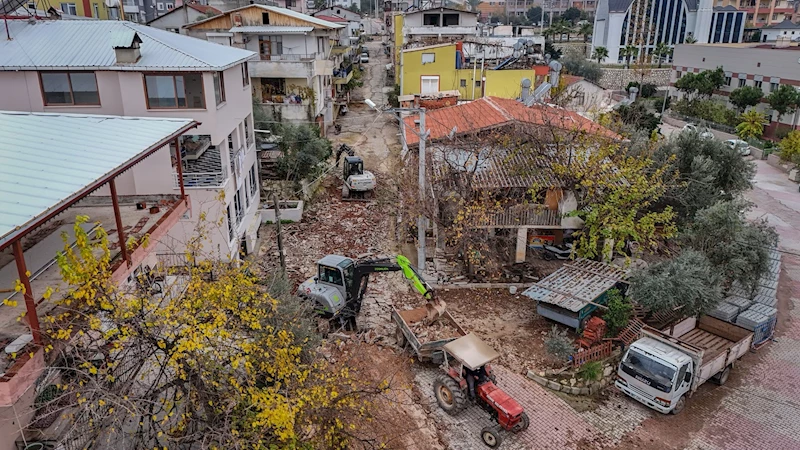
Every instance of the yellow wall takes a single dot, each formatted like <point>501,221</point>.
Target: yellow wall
<point>499,83</point>
<point>102,10</point>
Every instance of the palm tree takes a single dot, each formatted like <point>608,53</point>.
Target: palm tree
<point>629,51</point>
<point>662,50</point>
<point>690,40</point>
<point>600,53</point>
<point>586,30</point>
<point>752,124</point>
<point>473,4</point>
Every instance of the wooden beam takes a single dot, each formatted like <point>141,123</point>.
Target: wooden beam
<point>595,272</point>
<point>30,305</point>
<point>566,294</point>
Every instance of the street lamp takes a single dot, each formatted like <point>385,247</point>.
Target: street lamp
<point>421,225</point>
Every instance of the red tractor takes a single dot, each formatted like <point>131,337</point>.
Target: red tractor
<point>466,366</point>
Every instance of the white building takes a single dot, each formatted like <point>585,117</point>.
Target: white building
<point>187,13</point>
<point>124,69</point>
<point>646,23</point>
<point>784,31</point>
<point>293,72</point>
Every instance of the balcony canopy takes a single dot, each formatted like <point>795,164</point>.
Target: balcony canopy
<point>272,29</point>
<point>50,161</point>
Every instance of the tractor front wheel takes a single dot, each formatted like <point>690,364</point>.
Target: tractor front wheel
<point>449,395</point>
<point>491,437</point>
<point>523,424</point>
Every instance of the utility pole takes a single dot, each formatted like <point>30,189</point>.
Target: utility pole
<point>280,233</point>
<point>421,225</point>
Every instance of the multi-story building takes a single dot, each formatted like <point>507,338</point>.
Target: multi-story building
<point>762,66</point>
<point>761,13</point>
<point>491,8</point>
<point>187,13</point>
<point>293,73</point>
<point>64,67</point>
<point>646,23</point>
<point>301,6</point>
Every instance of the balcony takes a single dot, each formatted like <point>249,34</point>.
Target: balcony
<point>441,31</point>
<point>291,66</point>
<point>203,172</point>
<point>343,75</point>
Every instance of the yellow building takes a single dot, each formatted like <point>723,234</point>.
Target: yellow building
<point>83,8</point>
<point>434,68</point>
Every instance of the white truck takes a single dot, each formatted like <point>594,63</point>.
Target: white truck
<point>662,368</point>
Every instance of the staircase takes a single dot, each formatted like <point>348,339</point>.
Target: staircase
<point>632,332</point>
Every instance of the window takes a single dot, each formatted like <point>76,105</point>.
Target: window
<point>69,88</point>
<point>69,8</point>
<point>742,82</point>
<point>31,5</point>
<point>113,14</point>
<point>757,84</point>
<point>264,18</point>
<point>430,20</point>
<point>450,20</point>
<point>170,6</point>
<point>678,75</point>
<point>682,373</point>
<point>728,81</point>
<point>428,58</point>
<point>773,87</point>
<point>237,204</point>
<point>175,91</point>
<point>231,232</point>
<point>429,84</point>
<point>330,275</point>
<point>245,74</point>
<point>463,83</point>
<point>290,4</point>
<point>253,181</point>
<point>477,83</point>
<point>160,6</point>
<point>269,46</point>
<point>219,87</point>
<point>96,13</point>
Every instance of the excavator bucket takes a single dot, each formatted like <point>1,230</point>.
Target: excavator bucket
<point>434,310</point>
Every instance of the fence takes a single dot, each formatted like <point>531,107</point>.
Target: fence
<point>595,353</point>
<point>703,122</point>
<point>201,179</point>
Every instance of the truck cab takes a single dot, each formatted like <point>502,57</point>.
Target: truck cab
<point>655,374</point>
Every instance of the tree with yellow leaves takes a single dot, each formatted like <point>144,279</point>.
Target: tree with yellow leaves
<point>214,361</point>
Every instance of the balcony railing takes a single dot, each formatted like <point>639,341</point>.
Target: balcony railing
<point>523,216</point>
<point>201,179</point>
<point>291,57</point>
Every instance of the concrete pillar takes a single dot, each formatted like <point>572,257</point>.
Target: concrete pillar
<point>522,244</point>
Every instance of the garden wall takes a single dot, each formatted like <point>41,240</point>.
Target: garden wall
<point>617,79</point>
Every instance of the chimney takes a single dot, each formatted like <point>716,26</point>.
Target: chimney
<point>526,90</point>
<point>126,46</point>
<point>632,93</point>
<point>555,73</point>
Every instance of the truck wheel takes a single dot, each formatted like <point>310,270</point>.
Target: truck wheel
<point>523,424</point>
<point>400,338</point>
<point>491,437</point>
<point>449,395</point>
<point>722,378</point>
<point>679,406</point>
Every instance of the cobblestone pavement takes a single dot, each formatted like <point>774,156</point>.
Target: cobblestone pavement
<point>554,424</point>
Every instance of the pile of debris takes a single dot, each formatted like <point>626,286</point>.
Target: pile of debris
<point>438,330</point>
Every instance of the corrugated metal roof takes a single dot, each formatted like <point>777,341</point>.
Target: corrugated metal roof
<point>576,284</point>
<point>286,12</point>
<point>63,44</point>
<point>123,38</point>
<point>272,29</point>
<point>49,158</point>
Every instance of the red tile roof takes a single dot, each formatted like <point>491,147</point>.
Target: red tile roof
<point>571,79</point>
<point>203,8</point>
<point>330,18</point>
<point>492,112</point>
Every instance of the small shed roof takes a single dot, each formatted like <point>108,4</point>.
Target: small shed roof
<point>271,29</point>
<point>50,160</point>
<point>576,284</point>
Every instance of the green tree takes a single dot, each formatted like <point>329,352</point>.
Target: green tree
<point>701,84</point>
<point>534,14</point>
<point>752,125</point>
<point>303,151</point>
<point>790,147</point>
<point>579,66</point>
<point>637,115</point>
<point>571,15</point>
<point>784,100</point>
<point>707,171</point>
<point>600,53</point>
<point>746,96</point>
<point>618,314</point>
<point>586,30</point>
<point>551,50</point>
<point>662,51</point>
<point>628,52</point>
<point>735,246</point>
<point>688,284</point>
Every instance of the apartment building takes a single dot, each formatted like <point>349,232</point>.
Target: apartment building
<point>142,11</point>
<point>762,13</point>
<point>293,72</point>
<point>125,69</point>
<point>647,23</point>
<point>174,20</point>
<point>762,66</point>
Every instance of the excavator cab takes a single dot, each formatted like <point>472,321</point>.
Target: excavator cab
<point>353,166</point>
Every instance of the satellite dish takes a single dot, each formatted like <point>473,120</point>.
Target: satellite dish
<point>517,46</point>
<point>516,53</point>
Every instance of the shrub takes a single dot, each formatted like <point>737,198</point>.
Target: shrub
<point>618,313</point>
<point>646,90</point>
<point>579,66</point>
<point>591,371</point>
<point>558,344</point>
<point>707,110</point>
<point>790,147</point>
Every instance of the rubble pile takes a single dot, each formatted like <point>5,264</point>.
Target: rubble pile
<point>438,330</point>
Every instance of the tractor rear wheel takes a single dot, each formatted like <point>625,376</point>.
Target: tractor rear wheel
<point>523,424</point>
<point>449,395</point>
<point>400,338</point>
<point>491,437</point>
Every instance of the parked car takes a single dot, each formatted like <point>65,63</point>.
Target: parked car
<point>364,58</point>
<point>704,132</point>
<point>743,147</point>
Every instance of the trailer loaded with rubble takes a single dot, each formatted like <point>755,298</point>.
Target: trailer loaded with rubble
<point>426,337</point>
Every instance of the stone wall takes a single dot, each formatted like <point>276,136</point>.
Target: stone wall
<point>617,79</point>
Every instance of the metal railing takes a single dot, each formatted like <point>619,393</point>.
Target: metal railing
<point>522,216</point>
<point>167,260</point>
<point>290,57</point>
<point>201,179</point>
